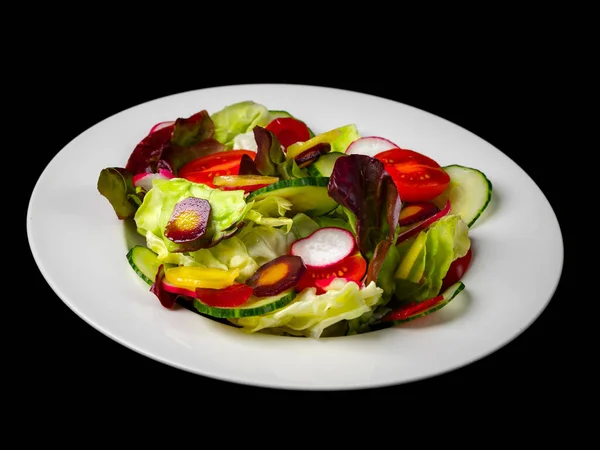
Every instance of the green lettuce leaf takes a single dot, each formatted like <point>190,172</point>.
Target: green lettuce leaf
<point>309,314</point>
<point>238,118</point>
<point>426,258</point>
<point>228,208</point>
<point>265,243</point>
<point>349,134</point>
<point>271,211</point>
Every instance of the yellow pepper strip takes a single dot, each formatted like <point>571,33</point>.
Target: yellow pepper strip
<point>297,148</point>
<point>243,180</point>
<point>191,277</point>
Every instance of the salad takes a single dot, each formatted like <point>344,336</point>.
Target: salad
<point>252,219</point>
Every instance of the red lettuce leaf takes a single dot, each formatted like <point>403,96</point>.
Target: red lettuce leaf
<point>195,128</point>
<point>171,147</point>
<point>166,298</point>
<point>147,152</point>
<point>269,154</point>
<point>361,184</point>
<point>174,157</point>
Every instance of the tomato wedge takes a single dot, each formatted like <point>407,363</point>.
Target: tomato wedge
<point>204,169</point>
<point>352,268</point>
<point>417,177</point>
<point>289,130</point>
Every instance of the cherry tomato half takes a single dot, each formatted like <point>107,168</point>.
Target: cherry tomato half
<point>204,169</point>
<point>417,177</point>
<point>289,130</point>
<point>352,267</point>
<point>457,270</point>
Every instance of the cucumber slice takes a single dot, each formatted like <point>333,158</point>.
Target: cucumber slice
<point>253,307</point>
<point>469,192</point>
<point>144,262</point>
<point>323,166</point>
<point>308,195</point>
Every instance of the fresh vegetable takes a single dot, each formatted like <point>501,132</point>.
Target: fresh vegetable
<point>161,125</point>
<point>188,222</point>
<point>227,211</point>
<point>116,185</point>
<point>144,180</point>
<point>469,192</point>
<point>204,169</point>
<point>252,219</point>
<point>417,177</point>
<point>351,268</point>
<point>415,212</point>
<point>144,262</point>
<point>412,231</point>
<point>192,277</point>
<point>457,269</point>
<point>248,183</point>
<point>361,184</point>
<point>323,166</point>
<point>307,195</point>
<point>254,306</point>
<point>414,310</point>
<point>370,146</point>
<point>235,295</point>
<point>338,139</point>
<point>426,258</point>
<point>289,130</point>
<point>276,276</point>
<point>325,247</point>
<point>310,155</point>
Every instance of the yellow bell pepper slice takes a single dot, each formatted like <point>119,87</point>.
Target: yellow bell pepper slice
<point>297,148</point>
<point>192,277</point>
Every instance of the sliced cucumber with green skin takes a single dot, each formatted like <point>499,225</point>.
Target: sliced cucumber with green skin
<point>144,262</point>
<point>412,311</point>
<point>254,307</point>
<point>277,114</point>
<point>308,195</point>
<point>323,166</point>
<point>469,192</point>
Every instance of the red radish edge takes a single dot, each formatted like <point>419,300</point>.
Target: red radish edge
<point>370,146</point>
<point>324,247</point>
<point>161,125</point>
<point>144,179</point>
<point>178,290</point>
<point>416,229</point>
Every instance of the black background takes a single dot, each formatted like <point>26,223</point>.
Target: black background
<point>505,94</point>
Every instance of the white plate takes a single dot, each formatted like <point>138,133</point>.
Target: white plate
<point>506,288</point>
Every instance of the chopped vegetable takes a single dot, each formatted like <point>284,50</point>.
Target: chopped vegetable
<point>250,218</point>
<point>276,276</point>
<point>417,177</point>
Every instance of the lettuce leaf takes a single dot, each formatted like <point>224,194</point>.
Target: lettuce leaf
<point>349,134</point>
<point>430,255</point>
<point>238,118</point>
<point>265,243</point>
<point>309,314</point>
<point>228,208</point>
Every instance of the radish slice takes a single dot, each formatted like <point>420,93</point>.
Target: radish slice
<point>161,125</point>
<point>178,290</point>
<point>370,146</point>
<point>416,229</point>
<point>324,247</point>
<point>144,180</point>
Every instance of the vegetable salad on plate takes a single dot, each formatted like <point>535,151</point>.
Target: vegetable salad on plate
<point>252,219</point>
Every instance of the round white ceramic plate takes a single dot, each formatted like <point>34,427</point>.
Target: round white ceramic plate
<point>506,288</point>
